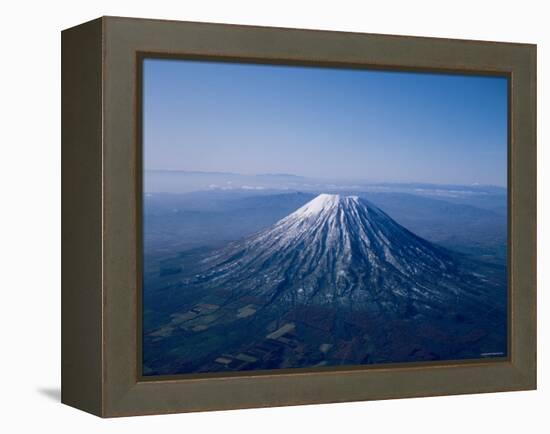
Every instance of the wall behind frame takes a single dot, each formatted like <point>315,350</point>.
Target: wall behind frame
<point>31,230</point>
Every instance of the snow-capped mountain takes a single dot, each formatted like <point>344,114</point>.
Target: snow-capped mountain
<point>335,282</point>
<point>340,250</point>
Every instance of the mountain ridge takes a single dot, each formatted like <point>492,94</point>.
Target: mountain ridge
<point>337,249</point>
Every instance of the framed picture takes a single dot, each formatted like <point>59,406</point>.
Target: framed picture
<point>260,216</point>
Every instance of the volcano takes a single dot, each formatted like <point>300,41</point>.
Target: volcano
<point>337,281</point>
<point>342,250</point>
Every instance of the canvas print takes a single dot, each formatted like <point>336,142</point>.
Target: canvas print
<point>307,217</point>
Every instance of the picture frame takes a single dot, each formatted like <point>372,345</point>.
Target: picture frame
<point>101,216</point>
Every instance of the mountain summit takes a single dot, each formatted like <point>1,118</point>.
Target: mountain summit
<point>340,250</point>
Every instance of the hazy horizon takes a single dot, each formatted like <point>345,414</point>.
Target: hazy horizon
<point>323,123</point>
<point>322,178</point>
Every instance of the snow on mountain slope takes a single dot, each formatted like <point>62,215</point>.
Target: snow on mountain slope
<point>340,250</point>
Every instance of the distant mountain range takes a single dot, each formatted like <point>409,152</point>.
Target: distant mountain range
<point>181,181</point>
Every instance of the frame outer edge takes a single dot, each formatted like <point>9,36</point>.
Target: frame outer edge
<point>81,211</point>
<point>523,192</point>
<point>529,190</point>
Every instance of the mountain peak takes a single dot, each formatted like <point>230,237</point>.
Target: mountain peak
<point>323,203</point>
<point>334,247</point>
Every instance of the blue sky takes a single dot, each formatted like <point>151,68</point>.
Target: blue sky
<point>323,122</point>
